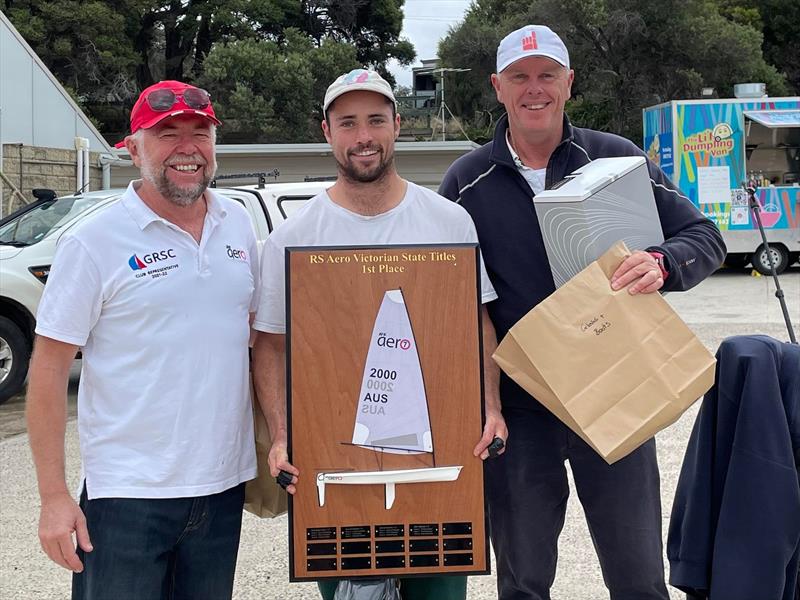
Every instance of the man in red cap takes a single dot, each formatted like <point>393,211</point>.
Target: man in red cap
<point>163,109</point>
<point>156,291</point>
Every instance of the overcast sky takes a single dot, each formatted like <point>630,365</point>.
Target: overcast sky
<point>425,23</point>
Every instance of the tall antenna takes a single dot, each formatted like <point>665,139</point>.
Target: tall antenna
<point>443,107</point>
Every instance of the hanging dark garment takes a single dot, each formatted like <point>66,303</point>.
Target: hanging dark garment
<point>734,533</point>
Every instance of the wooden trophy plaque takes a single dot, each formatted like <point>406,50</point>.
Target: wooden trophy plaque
<point>385,406</point>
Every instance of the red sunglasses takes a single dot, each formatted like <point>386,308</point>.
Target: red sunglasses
<point>163,100</point>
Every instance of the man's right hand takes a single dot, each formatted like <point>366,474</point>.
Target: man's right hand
<point>61,517</point>
<point>279,461</point>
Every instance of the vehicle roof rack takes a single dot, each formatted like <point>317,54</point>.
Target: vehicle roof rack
<point>321,178</point>
<point>261,176</point>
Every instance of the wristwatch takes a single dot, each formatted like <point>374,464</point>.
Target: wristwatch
<point>660,262</point>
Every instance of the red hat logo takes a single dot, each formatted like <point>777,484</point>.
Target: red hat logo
<point>529,42</point>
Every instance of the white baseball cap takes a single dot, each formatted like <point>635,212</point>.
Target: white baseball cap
<point>358,79</point>
<point>531,40</point>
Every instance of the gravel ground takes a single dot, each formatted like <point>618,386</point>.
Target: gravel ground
<point>729,303</point>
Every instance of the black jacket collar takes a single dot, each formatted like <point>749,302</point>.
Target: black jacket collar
<point>500,153</point>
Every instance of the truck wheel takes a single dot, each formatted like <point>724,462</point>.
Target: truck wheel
<point>14,356</point>
<point>780,258</point>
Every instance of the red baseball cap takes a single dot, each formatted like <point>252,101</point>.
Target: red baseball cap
<point>143,116</point>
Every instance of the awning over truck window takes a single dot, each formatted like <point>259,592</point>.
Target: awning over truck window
<point>774,118</point>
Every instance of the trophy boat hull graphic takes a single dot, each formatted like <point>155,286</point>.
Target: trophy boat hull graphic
<point>392,415</point>
<point>386,478</point>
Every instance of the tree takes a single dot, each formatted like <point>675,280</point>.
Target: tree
<point>105,52</point>
<point>631,54</point>
<point>473,45</point>
<point>781,35</point>
<point>372,26</point>
<point>184,32</point>
<point>82,43</point>
<point>779,21</point>
<point>269,91</point>
<point>627,54</point>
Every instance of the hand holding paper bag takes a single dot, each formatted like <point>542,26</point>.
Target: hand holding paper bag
<point>615,368</point>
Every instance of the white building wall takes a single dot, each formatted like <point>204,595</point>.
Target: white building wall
<point>35,110</point>
<point>39,122</point>
<point>423,163</point>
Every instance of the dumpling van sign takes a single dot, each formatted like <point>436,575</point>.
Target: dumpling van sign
<point>384,385</point>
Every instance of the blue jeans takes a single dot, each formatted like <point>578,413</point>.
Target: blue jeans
<point>160,549</point>
<point>527,490</point>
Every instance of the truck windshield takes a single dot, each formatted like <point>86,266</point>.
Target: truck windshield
<point>35,224</point>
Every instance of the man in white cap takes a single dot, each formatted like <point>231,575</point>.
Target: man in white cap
<point>370,204</point>
<point>534,147</point>
<point>147,289</point>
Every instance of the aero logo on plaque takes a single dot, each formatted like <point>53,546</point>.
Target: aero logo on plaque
<point>385,406</point>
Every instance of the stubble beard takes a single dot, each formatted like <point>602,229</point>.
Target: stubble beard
<point>355,174</point>
<point>179,196</point>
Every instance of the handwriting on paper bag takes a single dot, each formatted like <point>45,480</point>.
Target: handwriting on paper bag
<point>597,325</point>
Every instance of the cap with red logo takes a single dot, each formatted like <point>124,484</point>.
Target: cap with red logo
<point>167,99</point>
<point>531,40</point>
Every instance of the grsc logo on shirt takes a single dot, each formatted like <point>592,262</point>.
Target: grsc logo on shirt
<point>147,265</point>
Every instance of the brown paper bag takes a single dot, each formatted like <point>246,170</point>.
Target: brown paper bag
<point>615,368</point>
<point>263,496</point>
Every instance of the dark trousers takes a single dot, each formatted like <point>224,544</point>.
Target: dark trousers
<point>527,490</point>
<point>164,549</point>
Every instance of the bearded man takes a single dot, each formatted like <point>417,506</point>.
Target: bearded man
<point>149,293</point>
<point>370,204</point>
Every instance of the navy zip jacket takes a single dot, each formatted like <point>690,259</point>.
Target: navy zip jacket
<point>488,185</point>
<point>734,533</point>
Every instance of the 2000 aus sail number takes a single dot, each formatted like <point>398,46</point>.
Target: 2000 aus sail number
<point>380,380</point>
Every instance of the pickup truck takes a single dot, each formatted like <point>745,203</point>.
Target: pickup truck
<point>28,240</point>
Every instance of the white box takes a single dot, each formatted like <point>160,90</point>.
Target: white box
<point>603,202</point>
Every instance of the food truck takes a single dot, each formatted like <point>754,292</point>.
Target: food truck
<point>710,147</point>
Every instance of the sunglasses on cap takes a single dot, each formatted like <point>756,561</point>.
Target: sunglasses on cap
<point>163,100</point>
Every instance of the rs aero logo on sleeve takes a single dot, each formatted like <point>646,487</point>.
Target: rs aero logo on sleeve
<point>148,264</point>
<point>236,253</point>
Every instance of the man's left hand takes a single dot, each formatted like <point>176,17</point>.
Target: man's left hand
<point>495,427</point>
<point>640,273</point>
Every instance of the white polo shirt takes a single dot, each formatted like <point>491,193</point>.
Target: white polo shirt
<point>163,404</point>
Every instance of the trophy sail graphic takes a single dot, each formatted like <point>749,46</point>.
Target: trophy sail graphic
<point>392,414</point>
<point>392,411</point>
